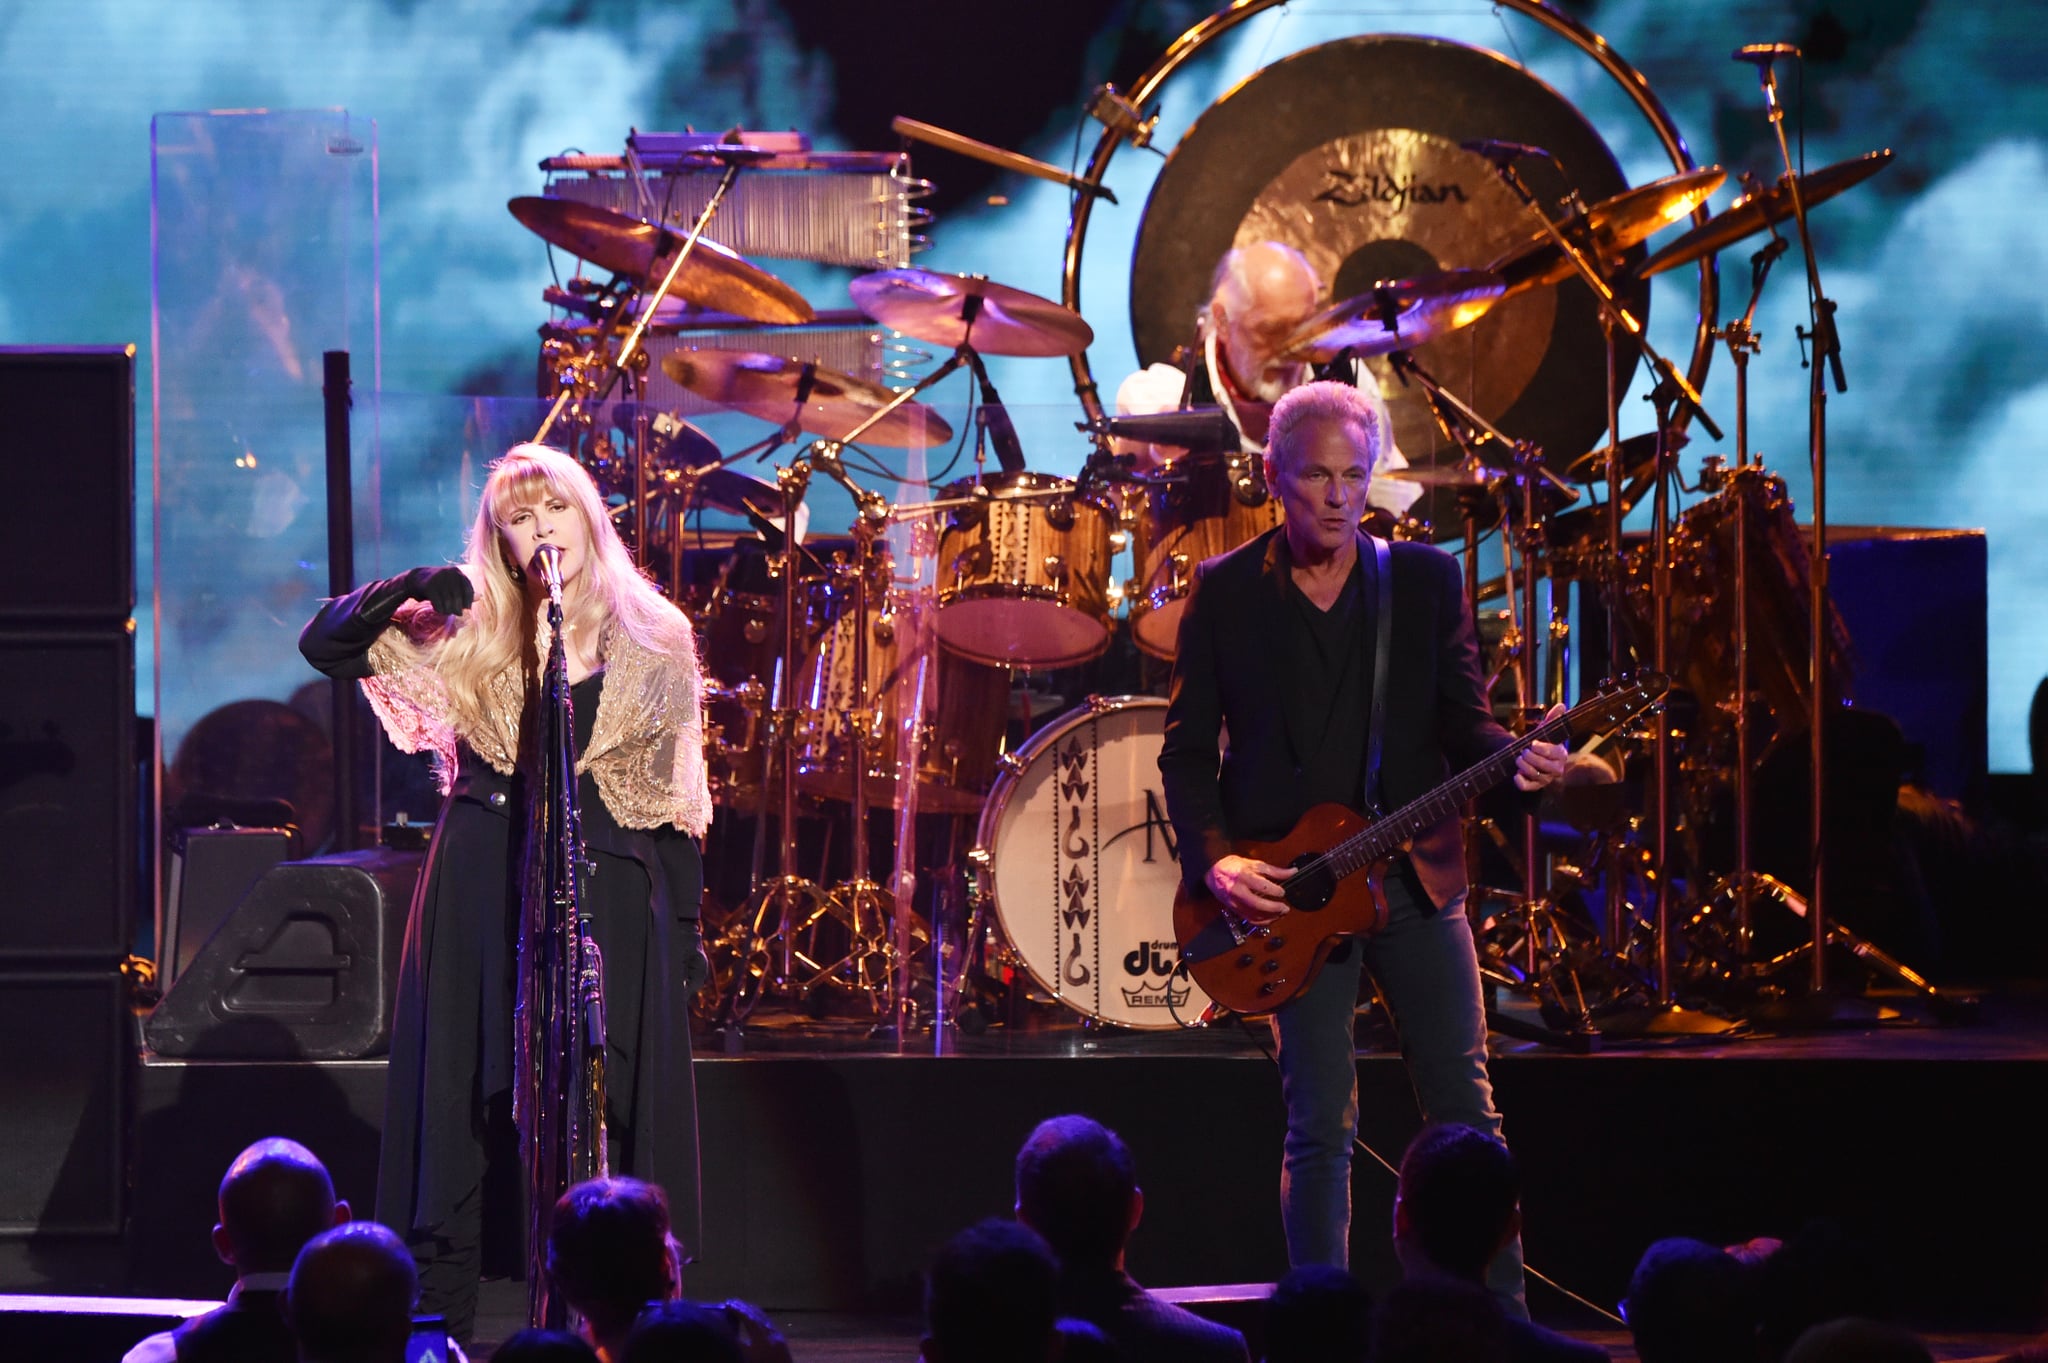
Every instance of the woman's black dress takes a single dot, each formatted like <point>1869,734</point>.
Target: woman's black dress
<point>449,1179</point>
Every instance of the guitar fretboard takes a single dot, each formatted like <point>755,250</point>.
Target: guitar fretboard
<point>1381,839</point>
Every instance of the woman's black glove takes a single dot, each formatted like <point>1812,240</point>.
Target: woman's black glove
<point>337,640</point>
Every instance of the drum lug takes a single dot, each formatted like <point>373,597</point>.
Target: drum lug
<point>1180,574</point>
<point>1056,569</point>
<point>1010,763</point>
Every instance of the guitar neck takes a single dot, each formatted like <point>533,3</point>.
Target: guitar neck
<point>1385,836</point>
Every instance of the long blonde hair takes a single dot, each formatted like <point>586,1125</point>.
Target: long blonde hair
<point>610,593</point>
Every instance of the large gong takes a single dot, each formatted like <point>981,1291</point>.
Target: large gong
<point>1349,152</point>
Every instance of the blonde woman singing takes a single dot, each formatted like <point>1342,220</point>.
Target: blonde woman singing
<point>450,658</point>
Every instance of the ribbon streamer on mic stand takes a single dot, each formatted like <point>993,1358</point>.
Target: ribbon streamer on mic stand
<point>558,1021</point>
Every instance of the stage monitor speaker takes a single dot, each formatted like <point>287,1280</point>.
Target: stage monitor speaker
<point>68,809</point>
<point>63,1071</point>
<point>70,456</point>
<point>306,967</point>
<point>212,869</point>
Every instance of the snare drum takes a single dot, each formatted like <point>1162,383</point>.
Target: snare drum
<point>1079,861</point>
<point>965,711</point>
<point>1024,573</point>
<point>1191,512</point>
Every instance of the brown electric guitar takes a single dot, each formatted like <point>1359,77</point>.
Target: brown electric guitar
<point>1340,858</point>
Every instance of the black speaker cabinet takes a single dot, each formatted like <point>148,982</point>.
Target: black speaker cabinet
<point>69,448</point>
<point>212,869</point>
<point>63,1071</point>
<point>306,967</point>
<point>68,808</point>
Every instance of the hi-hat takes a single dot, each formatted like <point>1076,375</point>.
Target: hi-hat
<point>956,309</point>
<point>1396,314</point>
<point>714,276</point>
<point>1753,212</point>
<point>1615,224</point>
<point>767,386</point>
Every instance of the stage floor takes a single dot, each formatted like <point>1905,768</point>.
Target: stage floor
<point>835,1163</point>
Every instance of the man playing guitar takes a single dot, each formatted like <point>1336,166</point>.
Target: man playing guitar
<point>1280,648</point>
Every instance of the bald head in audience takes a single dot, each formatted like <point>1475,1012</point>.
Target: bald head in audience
<point>273,1199</point>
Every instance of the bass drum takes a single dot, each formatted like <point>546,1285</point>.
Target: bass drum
<point>1079,862</point>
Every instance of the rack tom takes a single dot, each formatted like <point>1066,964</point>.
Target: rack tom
<point>1023,572</point>
<point>1193,509</point>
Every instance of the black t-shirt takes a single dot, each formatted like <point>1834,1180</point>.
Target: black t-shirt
<point>1330,656</point>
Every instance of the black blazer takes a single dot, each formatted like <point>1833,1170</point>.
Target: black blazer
<point>1229,677</point>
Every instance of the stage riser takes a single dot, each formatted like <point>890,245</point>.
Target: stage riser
<point>828,1181</point>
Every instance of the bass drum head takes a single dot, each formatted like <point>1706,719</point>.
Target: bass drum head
<point>1083,869</point>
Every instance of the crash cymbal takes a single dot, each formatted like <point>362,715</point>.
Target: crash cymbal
<point>714,277</point>
<point>766,386</point>
<point>1396,314</point>
<point>1467,474</point>
<point>952,309</point>
<point>1753,212</point>
<point>1616,224</point>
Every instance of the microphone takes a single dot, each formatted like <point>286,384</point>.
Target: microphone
<point>547,561</point>
<point>1501,153</point>
<point>994,418</point>
<point>1198,430</point>
<point>1763,54</point>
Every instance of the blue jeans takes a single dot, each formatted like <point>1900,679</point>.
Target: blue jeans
<point>1428,971</point>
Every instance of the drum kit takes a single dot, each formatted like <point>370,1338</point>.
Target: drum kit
<point>878,671</point>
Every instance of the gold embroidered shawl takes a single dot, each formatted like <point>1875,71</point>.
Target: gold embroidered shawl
<point>646,749</point>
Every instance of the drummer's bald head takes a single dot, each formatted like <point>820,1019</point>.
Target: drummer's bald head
<point>1264,277</point>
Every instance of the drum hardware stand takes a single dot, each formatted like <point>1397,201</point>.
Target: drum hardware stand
<point>1537,969</point>
<point>1742,341</point>
<point>768,959</point>
<point>1673,390</point>
<point>1665,1016</point>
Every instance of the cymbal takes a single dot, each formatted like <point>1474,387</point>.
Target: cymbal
<point>766,386</point>
<point>1616,224</point>
<point>715,276</point>
<point>1463,474</point>
<point>1396,314</point>
<point>1753,212</point>
<point>1638,452</point>
<point>940,308</point>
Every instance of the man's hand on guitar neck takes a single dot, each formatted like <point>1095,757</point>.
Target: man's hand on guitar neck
<point>1540,764</point>
<point>1250,889</point>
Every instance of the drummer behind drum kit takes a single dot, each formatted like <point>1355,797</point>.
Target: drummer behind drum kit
<point>823,685</point>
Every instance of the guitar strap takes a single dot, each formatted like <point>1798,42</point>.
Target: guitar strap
<point>1383,628</point>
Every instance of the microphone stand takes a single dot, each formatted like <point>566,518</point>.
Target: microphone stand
<point>1827,350</point>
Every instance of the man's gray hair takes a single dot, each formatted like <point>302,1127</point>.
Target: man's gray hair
<point>1326,401</point>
